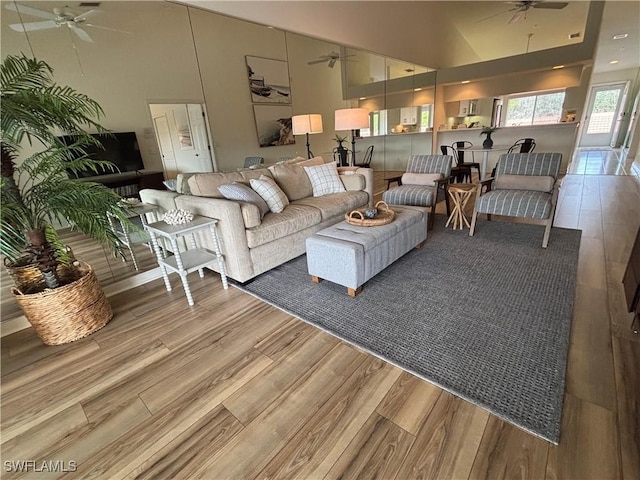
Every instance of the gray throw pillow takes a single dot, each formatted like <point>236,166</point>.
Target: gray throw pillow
<point>242,193</point>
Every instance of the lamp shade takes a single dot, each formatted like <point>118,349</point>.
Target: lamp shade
<point>309,123</point>
<point>352,119</point>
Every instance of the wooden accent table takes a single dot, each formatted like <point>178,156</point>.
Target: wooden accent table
<point>460,193</point>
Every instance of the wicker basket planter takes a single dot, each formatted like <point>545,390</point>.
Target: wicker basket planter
<point>68,313</point>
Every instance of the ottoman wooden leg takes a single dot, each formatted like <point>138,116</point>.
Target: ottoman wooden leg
<point>315,279</point>
<point>352,293</point>
<point>421,244</point>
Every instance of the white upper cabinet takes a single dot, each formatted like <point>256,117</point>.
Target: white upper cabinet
<point>409,115</point>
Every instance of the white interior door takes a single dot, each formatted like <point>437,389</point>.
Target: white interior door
<point>603,113</point>
<point>199,138</point>
<point>163,134</point>
<point>186,145</point>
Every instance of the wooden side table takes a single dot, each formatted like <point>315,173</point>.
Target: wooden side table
<point>460,193</point>
<point>190,260</point>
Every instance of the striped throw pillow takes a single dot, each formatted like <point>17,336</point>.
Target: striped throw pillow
<point>242,193</point>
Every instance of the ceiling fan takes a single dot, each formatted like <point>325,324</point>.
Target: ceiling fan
<point>330,58</point>
<point>520,8</point>
<point>58,17</point>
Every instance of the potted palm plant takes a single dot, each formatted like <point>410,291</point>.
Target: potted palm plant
<point>65,302</point>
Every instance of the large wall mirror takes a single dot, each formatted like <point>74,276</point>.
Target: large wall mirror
<point>162,53</point>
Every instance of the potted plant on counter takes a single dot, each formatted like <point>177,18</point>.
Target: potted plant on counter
<point>64,302</point>
<point>341,150</point>
<point>488,142</point>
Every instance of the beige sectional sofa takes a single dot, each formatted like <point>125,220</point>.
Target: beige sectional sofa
<point>250,244</point>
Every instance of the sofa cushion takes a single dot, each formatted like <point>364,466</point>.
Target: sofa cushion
<point>352,181</point>
<point>241,193</point>
<point>251,214</point>
<point>336,204</point>
<point>311,162</point>
<point>269,190</point>
<point>324,179</point>
<point>536,183</point>
<point>294,218</point>
<point>293,180</point>
<point>206,184</point>
<point>420,178</point>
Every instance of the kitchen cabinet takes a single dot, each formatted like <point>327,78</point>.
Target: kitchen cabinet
<point>409,115</point>
<point>467,107</point>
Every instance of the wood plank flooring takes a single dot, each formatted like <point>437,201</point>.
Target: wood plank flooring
<point>235,388</point>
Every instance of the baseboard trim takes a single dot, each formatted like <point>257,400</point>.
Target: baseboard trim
<point>14,325</point>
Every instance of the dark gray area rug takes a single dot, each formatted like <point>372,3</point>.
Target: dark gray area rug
<point>486,318</point>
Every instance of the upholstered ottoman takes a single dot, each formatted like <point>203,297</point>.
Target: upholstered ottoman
<point>350,255</point>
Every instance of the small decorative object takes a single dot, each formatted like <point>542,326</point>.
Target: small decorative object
<point>130,202</point>
<point>488,142</point>
<point>177,217</point>
<point>383,215</point>
<point>371,213</point>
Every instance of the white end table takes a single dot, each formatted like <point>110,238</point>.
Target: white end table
<point>190,260</point>
<point>131,238</point>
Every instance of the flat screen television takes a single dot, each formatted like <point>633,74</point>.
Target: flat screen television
<point>121,149</point>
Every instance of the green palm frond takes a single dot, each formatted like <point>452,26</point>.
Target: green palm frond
<point>33,106</point>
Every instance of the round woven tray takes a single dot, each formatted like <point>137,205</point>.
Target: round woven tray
<point>385,215</point>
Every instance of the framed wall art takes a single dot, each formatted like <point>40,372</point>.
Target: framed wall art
<point>268,80</point>
<point>273,124</point>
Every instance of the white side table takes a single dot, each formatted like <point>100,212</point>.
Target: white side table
<point>191,260</point>
<point>132,238</point>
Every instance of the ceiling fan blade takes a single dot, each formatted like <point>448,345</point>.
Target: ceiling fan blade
<point>314,62</point>
<point>517,16</point>
<point>82,35</point>
<point>105,28</point>
<point>332,62</point>
<point>30,11</point>
<point>554,5</point>
<point>28,27</point>
<point>82,17</point>
<point>495,15</point>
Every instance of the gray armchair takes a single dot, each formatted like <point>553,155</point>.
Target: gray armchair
<point>422,184</point>
<point>525,185</point>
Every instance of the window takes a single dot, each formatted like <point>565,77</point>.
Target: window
<point>426,118</point>
<point>538,109</point>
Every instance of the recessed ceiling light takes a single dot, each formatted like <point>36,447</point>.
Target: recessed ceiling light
<point>363,98</point>
<point>417,89</point>
<point>620,36</point>
<point>465,81</point>
<point>558,66</point>
<point>613,62</point>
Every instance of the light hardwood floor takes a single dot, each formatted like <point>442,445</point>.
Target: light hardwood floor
<point>235,388</point>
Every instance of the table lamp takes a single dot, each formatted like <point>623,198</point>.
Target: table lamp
<point>352,119</point>
<point>306,124</point>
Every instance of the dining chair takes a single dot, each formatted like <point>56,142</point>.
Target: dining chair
<point>252,161</point>
<point>460,173</point>
<point>523,145</point>
<point>366,161</point>
<point>460,147</point>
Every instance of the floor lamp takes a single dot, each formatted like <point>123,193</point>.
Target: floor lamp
<point>306,124</point>
<point>352,119</point>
